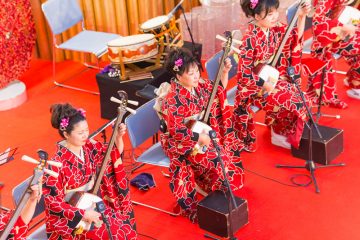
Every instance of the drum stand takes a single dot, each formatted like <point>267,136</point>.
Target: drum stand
<point>173,37</point>
<point>132,72</point>
<point>309,165</point>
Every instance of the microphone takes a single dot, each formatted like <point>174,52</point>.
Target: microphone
<point>291,71</point>
<point>177,7</point>
<point>100,207</point>
<point>212,134</point>
<point>42,154</point>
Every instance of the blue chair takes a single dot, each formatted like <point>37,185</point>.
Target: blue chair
<point>39,233</point>
<point>143,126</point>
<point>212,66</point>
<point>61,15</point>
<point>17,193</point>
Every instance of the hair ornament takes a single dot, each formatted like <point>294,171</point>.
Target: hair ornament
<point>253,4</point>
<point>64,123</point>
<point>178,64</point>
<point>82,112</point>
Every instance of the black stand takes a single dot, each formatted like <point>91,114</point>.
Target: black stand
<point>194,51</point>
<point>232,201</point>
<point>100,207</point>
<point>309,165</point>
<point>319,114</point>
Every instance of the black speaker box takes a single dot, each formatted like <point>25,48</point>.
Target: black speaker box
<point>324,149</point>
<point>214,217</point>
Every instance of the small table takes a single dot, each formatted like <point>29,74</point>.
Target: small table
<point>108,87</point>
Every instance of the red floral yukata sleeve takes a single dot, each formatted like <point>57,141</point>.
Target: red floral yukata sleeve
<point>19,230</point>
<point>283,106</point>
<point>327,43</point>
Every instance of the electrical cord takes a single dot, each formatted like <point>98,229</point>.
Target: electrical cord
<point>292,179</point>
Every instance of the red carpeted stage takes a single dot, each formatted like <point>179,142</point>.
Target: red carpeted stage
<point>276,211</point>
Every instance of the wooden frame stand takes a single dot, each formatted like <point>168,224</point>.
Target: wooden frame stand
<point>132,72</point>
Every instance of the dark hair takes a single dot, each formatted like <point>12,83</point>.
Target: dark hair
<point>187,60</point>
<point>62,111</point>
<point>262,5</point>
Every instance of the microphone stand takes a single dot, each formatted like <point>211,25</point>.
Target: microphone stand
<point>318,113</point>
<point>100,207</point>
<point>231,200</point>
<point>194,51</point>
<point>309,165</point>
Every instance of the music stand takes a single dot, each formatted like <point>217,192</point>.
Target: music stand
<point>309,165</point>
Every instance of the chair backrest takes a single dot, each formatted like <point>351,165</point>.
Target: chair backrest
<point>19,190</point>
<point>142,125</point>
<point>212,66</point>
<point>61,14</point>
<point>290,12</point>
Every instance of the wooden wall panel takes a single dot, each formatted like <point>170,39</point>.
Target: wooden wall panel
<point>89,14</point>
<point>145,12</point>
<point>109,15</point>
<point>117,16</point>
<point>121,18</point>
<point>133,16</point>
<point>43,43</point>
<point>168,5</point>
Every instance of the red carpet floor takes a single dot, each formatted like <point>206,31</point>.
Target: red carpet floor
<point>276,211</point>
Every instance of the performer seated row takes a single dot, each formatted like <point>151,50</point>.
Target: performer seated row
<point>285,112</point>
<point>81,157</point>
<point>188,95</point>
<point>185,100</point>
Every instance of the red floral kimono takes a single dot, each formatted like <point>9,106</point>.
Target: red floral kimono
<point>62,218</point>
<point>186,170</point>
<point>284,108</point>
<point>19,230</point>
<point>325,44</point>
<point>17,39</point>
